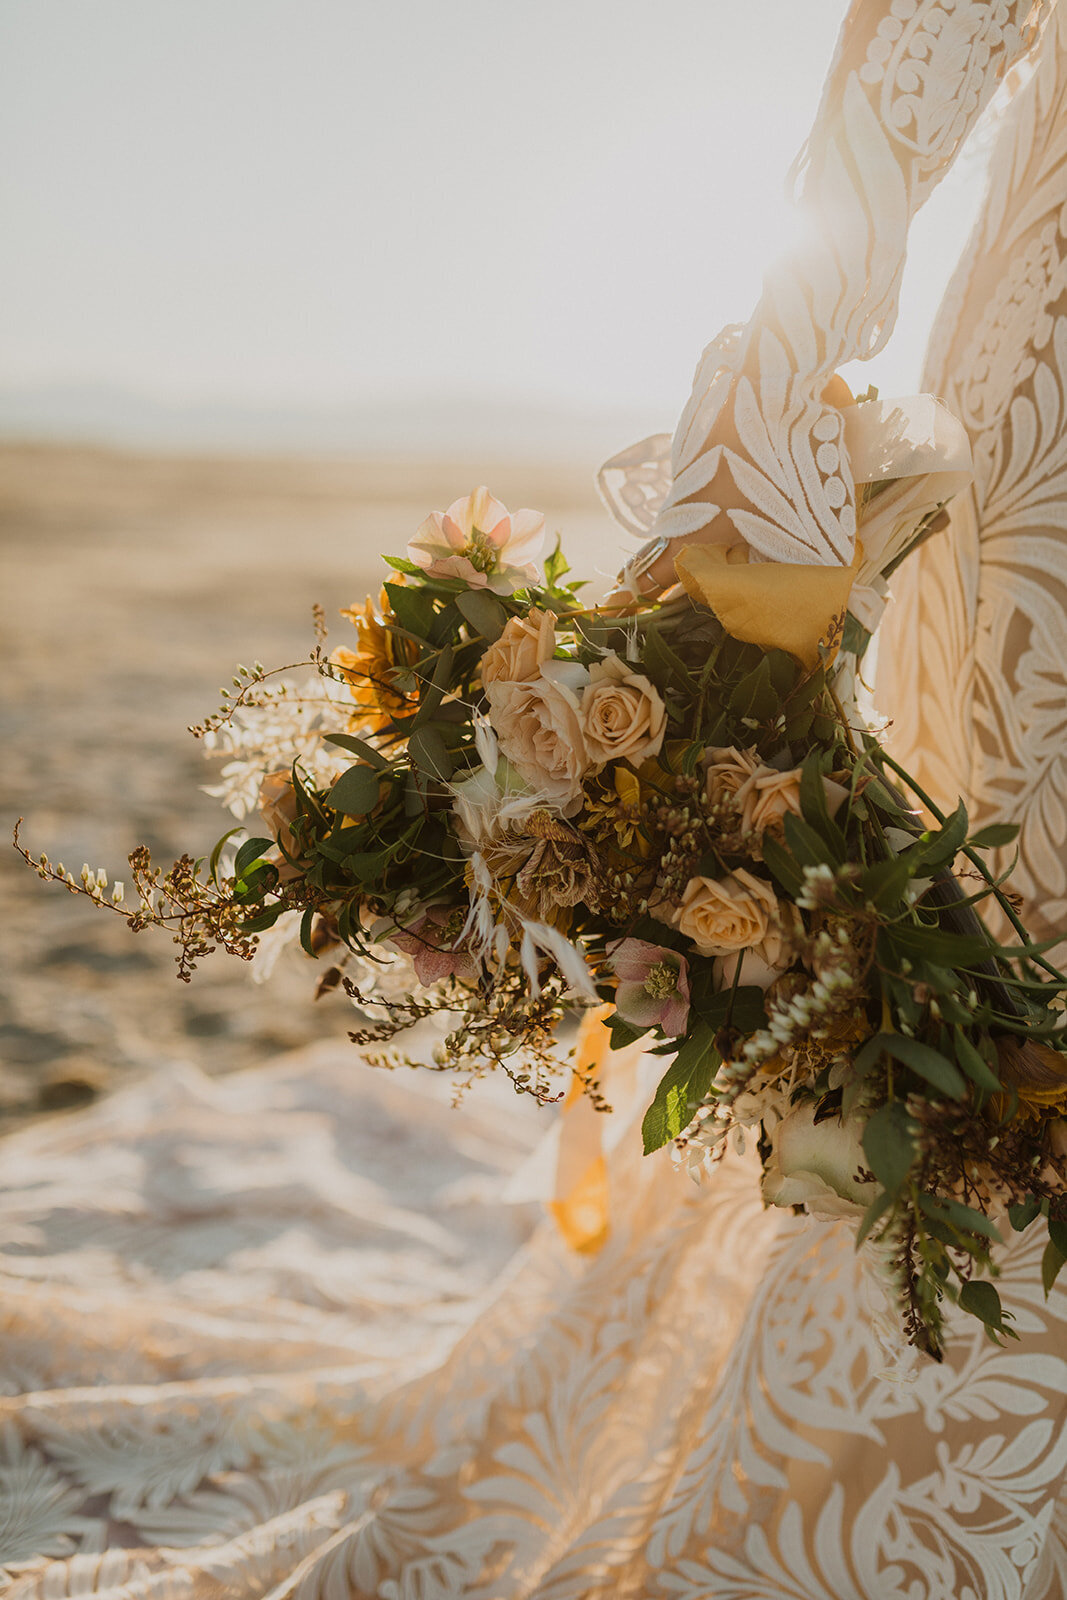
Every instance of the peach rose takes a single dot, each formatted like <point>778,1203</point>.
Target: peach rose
<point>724,915</point>
<point>623,715</point>
<point>767,796</point>
<point>726,768</point>
<point>522,649</point>
<point>278,808</point>
<point>539,726</point>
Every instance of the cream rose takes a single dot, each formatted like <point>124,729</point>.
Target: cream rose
<point>726,768</point>
<point>816,1165</point>
<point>767,796</point>
<point>522,649</point>
<point>623,715</point>
<point>724,915</point>
<point>539,726</point>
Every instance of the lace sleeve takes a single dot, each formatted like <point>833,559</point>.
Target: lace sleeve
<point>759,454</point>
<point>973,654</point>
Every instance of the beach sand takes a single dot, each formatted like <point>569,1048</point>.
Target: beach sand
<point>132,585</point>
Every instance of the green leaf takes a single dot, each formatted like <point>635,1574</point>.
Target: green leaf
<point>430,754</point>
<point>926,1062</point>
<point>305,931</point>
<point>868,1056</point>
<point>216,854</point>
<point>356,791</point>
<point>556,565</point>
<point>685,1083</point>
<point>1057,1232</point>
<point>266,919</point>
<point>855,636</point>
<point>813,804</point>
<point>810,849</point>
<point>993,836</point>
<point>402,564</point>
<point>981,1300</point>
<point>960,1216</point>
<point>359,747</point>
<point>884,883</point>
<point>889,1145</point>
<point>945,844</point>
<point>873,1214</point>
<point>755,696</point>
<point>413,608</point>
<point>782,866</point>
<point>1051,1265</point>
<point>933,944</point>
<point>483,612</point>
<point>974,1063</point>
<point>434,691</point>
<point>250,852</point>
<point>662,663</point>
<point>623,1033</point>
<point>1021,1215</point>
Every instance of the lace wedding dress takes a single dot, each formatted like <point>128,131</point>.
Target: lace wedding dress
<point>278,1336</point>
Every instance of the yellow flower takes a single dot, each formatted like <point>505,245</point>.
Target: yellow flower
<point>373,668</point>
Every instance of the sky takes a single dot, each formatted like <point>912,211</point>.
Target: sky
<point>328,203</point>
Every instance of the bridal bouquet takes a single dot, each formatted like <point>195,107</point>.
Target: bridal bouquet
<point>497,803</point>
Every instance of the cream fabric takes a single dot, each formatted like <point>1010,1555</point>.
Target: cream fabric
<point>278,1336</point>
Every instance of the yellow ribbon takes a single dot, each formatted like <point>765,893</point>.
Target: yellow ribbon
<point>775,604</point>
<point>581,1203</point>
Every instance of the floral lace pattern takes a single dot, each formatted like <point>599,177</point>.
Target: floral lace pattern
<point>983,606</point>
<point>257,1352</point>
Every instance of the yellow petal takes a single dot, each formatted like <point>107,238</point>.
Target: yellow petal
<point>778,605</point>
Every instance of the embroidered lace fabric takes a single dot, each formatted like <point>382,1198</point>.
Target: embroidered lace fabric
<point>278,1336</point>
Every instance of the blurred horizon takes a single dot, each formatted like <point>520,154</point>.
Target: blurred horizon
<point>264,225</point>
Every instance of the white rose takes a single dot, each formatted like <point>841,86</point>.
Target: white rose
<point>816,1165</point>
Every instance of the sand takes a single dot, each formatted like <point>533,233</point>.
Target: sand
<point>131,586</point>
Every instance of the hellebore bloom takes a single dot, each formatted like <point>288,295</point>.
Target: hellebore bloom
<point>653,989</point>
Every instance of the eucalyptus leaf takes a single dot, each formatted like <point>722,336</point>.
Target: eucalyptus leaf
<point>430,754</point>
<point>981,1300</point>
<point>356,791</point>
<point>412,607</point>
<point>1020,1216</point>
<point>889,1145</point>
<point>1052,1262</point>
<point>483,612</point>
<point>960,1216</point>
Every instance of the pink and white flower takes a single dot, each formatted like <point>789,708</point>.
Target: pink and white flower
<point>480,541</point>
<point>653,989</point>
